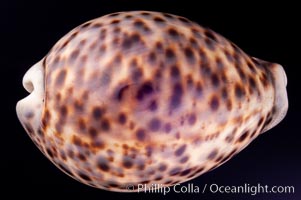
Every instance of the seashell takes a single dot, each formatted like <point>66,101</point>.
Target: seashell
<point>146,97</point>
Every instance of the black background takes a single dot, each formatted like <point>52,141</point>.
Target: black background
<point>269,32</point>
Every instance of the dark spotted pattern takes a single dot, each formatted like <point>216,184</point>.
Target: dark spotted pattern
<point>136,97</point>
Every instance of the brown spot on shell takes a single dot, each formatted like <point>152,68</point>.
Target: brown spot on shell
<point>199,90</point>
<point>115,21</point>
<point>167,127</point>
<point>239,91</point>
<point>159,21</point>
<point>162,167</point>
<point>85,25</point>
<point>49,152</point>
<point>114,14</point>
<point>129,16</point>
<point>215,80</point>
<point>92,132</point>
<point>205,69</point>
<point>84,176</point>
<point>103,34</point>
<point>60,79</point>
<point>140,134</point>
<point>264,80</point>
<point>105,125</point>
<point>153,105</point>
<point>192,119</point>
<point>169,16</point>
<point>210,44</point>
<point>82,157</point>
<point>145,90</point>
<point>184,159</point>
<point>98,144</point>
<point>97,113</point>
<point>224,93</point>
<point>185,172</point>
<point>190,56</point>
<point>77,141</point>
<point>180,150</point>
<point>252,84</point>
<point>122,118</point>
<point>137,74</point>
<point>201,169</point>
<point>170,55</point>
<point>154,124</point>
<point>251,67</point>
<point>63,111</point>
<point>132,41</point>
<point>152,58</point>
<point>175,72</point>
<point>176,97</point>
<point>183,20</point>
<point>229,105</point>
<point>230,137</point>
<point>73,56</point>
<point>46,118</point>
<point>157,178</point>
<point>174,171</point>
<point>140,166</point>
<point>127,162</point>
<point>243,136</point>
<point>268,120</point>
<point>193,43</point>
<point>212,154</point>
<point>103,164</point>
<point>140,25</point>
<point>209,34</point>
<point>159,47</point>
<point>65,169</point>
<point>145,14</point>
<point>29,115</point>
<point>78,105</point>
<point>214,103</point>
<point>173,33</point>
<point>189,81</point>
